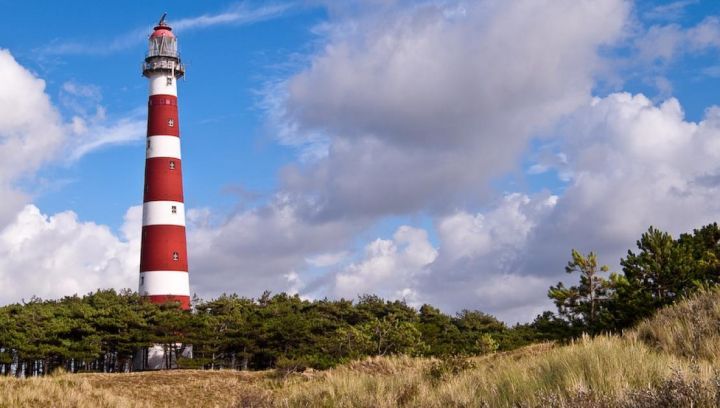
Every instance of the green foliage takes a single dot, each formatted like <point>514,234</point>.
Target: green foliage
<point>661,271</point>
<point>583,306</point>
<point>101,331</point>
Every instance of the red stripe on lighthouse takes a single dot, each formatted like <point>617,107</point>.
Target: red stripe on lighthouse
<point>163,179</point>
<point>183,300</point>
<point>163,248</point>
<point>163,116</point>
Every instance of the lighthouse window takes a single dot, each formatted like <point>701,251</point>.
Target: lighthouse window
<point>172,165</point>
<point>169,81</point>
<point>148,144</point>
<point>142,280</point>
<point>171,122</point>
<point>173,209</point>
<point>176,256</point>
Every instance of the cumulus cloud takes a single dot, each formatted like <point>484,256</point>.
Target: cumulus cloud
<point>630,163</point>
<point>31,130</point>
<point>260,249</point>
<point>635,164</point>
<point>389,268</point>
<point>423,106</point>
<point>482,256</point>
<point>54,256</point>
<point>478,264</point>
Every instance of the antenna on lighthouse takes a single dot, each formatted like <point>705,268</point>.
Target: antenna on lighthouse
<point>162,19</point>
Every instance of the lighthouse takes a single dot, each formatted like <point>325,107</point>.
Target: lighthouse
<point>163,251</point>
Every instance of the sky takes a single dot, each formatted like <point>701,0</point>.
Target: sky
<point>444,152</point>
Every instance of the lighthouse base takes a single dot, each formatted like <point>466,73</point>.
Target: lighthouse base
<point>161,356</point>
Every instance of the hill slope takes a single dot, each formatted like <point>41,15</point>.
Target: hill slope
<point>669,360</point>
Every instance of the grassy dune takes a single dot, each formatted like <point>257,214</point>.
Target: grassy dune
<point>671,360</point>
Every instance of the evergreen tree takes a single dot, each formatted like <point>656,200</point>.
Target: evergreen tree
<point>584,306</point>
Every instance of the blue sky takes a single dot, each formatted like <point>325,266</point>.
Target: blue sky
<point>449,152</point>
<point>216,117</point>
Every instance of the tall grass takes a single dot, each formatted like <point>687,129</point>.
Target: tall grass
<point>670,360</point>
<point>690,328</point>
<point>60,392</point>
<point>605,371</point>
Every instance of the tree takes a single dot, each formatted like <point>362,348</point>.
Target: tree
<point>660,271</point>
<point>439,333</point>
<point>583,305</point>
<point>703,245</point>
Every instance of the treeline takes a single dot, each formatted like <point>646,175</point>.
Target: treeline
<point>660,271</point>
<point>101,331</point>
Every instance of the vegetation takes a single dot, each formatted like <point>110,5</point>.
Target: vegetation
<point>101,331</point>
<point>646,367</point>
<point>662,271</point>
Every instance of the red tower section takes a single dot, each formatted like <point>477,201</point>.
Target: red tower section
<point>163,252</point>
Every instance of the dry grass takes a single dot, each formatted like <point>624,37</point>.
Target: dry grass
<point>605,371</point>
<point>187,388</point>
<point>61,392</point>
<point>668,361</point>
<point>690,329</point>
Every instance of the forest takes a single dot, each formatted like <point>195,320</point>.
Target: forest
<point>101,331</point>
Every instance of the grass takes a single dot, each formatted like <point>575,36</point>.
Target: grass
<point>690,329</point>
<point>671,360</point>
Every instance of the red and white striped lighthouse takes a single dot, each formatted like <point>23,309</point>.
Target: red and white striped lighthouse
<point>163,253</point>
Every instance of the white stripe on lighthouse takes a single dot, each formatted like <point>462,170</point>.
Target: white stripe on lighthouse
<point>163,146</point>
<point>160,85</point>
<point>164,283</point>
<point>162,213</point>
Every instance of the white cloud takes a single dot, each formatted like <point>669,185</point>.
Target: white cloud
<point>90,128</point>
<point>265,248</point>
<point>327,259</point>
<point>634,164</point>
<point>664,43</point>
<point>389,268</point>
<point>239,14</point>
<point>669,11</point>
<point>422,106</point>
<point>482,256</point>
<point>31,131</point>
<point>94,133</point>
<point>54,256</point>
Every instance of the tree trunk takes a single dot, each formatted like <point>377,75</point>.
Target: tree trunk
<point>245,362</point>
